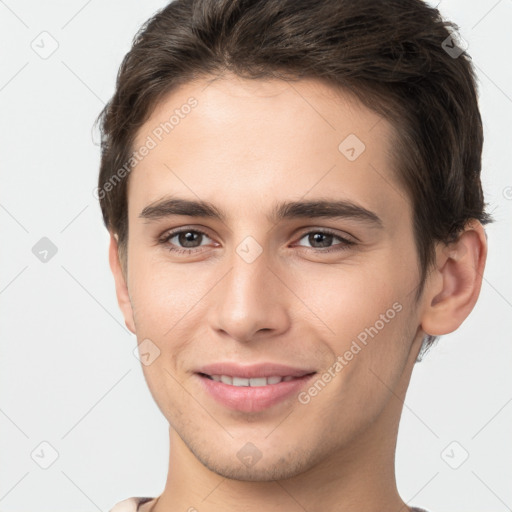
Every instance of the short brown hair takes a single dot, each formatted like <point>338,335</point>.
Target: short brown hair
<point>394,56</point>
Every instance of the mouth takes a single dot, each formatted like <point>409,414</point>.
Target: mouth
<point>254,394</point>
<point>252,382</point>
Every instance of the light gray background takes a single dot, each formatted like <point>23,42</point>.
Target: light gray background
<point>68,373</point>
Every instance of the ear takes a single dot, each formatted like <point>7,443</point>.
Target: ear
<point>123,298</point>
<point>455,283</point>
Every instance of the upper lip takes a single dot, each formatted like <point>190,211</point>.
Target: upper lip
<point>253,370</point>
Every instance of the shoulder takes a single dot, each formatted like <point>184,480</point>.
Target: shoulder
<point>132,505</point>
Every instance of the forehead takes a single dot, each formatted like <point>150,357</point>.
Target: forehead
<point>244,142</point>
<point>219,104</point>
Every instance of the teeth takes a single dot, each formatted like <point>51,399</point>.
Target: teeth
<point>254,382</point>
<point>226,379</point>
<point>238,381</point>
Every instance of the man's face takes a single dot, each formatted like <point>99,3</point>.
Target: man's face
<point>302,291</point>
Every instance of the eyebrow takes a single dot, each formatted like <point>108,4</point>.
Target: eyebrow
<point>337,209</point>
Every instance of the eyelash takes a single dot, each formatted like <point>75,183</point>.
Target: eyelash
<point>344,246</point>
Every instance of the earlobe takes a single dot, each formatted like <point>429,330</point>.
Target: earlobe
<point>455,285</point>
<point>123,297</point>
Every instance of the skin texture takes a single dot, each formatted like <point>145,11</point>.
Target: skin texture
<point>246,145</point>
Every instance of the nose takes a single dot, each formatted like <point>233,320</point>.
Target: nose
<point>251,300</point>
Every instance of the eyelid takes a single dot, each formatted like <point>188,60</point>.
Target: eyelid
<point>190,227</point>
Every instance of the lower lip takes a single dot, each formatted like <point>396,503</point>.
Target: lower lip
<point>253,399</point>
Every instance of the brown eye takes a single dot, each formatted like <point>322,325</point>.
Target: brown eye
<point>186,240</point>
<point>320,239</point>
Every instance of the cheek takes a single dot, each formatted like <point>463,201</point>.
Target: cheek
<point>163,294</point>
<point>168,303</point>
<point>349,298</point>
<point>365,310</point>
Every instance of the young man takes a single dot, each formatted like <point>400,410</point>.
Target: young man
<point>294,200</point>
